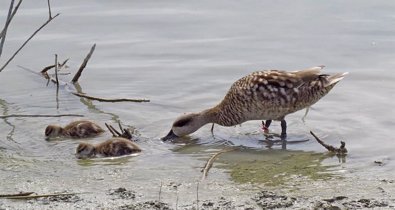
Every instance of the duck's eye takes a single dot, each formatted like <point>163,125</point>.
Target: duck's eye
<point>182,122</point>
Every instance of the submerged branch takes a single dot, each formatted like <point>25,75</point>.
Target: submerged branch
<point>40,115</point>
<point>210,161</point>
<point>83,65</point>
<point>111,100</point>
<point>339,151</point>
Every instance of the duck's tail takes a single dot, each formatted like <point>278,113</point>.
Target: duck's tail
<point>309,74</point>
<point>333,79</point>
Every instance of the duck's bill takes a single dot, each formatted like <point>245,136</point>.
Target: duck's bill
<point>169,136</point>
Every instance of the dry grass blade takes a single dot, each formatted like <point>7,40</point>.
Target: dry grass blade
<point>210,161</point>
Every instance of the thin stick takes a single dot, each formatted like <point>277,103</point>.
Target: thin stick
<point>160,191</point>
<point>23,45</point>
<point>342,150</point>
<point>40,115</point>
<point>4,33</point>
<point>18,194</point>
<point>109,128</point>
<point>118,133</point>
<point>210,161</point>
<point>177,201</point>
<point>120,126</point>
<point>9,21</point>
<point>39,196</point>
<point>60,65</point>
<point>197,196</point>
<point>83,65</point>
<point>110,100</point>
<point>45,69</point>
<point>56,67</point>
<point>49,10</point>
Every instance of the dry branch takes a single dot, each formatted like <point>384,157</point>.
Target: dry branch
<point>60,65</point>
<point>17,194</point>
<point>110,100</point>
<point>56,64</point>
<point>339,151</point>
<point>38,196</point>
<point>23,45</point>
<point>83,65</point>
<point>8,21</point>
<point>210,161</point>
<point>125,132</point>
<point>40,115</point>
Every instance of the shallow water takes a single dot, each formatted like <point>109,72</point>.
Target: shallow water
<point>184,56</point>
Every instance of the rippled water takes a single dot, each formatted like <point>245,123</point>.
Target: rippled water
<point>184,56</point>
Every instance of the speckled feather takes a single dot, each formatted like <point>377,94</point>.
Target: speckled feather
<point>272,94</point>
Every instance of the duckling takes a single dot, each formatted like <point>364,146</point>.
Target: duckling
<point>111,148</point>
<point>262,95</point>
<point>76,129</point>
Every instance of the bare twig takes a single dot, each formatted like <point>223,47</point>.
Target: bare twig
<point>83,65</point>
<point>210,161</point>
<point>49,10</point>
<point>23,45</point>
<point>39,196</point>
<point>125,132</point>
<point>197,196</point>
<point>339,151</point>
<point>111,100</point>
<point>60,65</point>
<point>10,15</point>
<point>160,190</point>
<point>56,64</point>
<point>17,194</point>
<point>40,115</point>
<point>109,128</point>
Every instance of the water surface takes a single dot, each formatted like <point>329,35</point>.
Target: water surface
<point>184,56</point>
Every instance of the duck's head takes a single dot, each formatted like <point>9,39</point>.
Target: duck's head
<point>85,150</point>
<point>184,125</point>
<point>53,131</point>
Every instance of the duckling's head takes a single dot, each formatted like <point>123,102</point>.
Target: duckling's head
<point>85,150</point>
<point>53,131</point>
<point>184,125</point>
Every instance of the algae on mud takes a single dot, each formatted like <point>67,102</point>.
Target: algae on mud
<point>275,168</point>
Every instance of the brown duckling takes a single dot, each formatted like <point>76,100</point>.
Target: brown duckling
<point>111,148</point>
<point>76,129</point>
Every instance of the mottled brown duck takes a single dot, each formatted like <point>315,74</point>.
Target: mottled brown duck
<point>262,95</point>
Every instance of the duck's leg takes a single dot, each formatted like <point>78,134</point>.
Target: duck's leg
<point>283,129</point>
<point>265,125</point>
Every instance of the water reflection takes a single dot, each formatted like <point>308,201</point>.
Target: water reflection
<point>269,166</point>
<point>4,105</point>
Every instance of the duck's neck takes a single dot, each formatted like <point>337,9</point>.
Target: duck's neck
<point>209,116</point>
